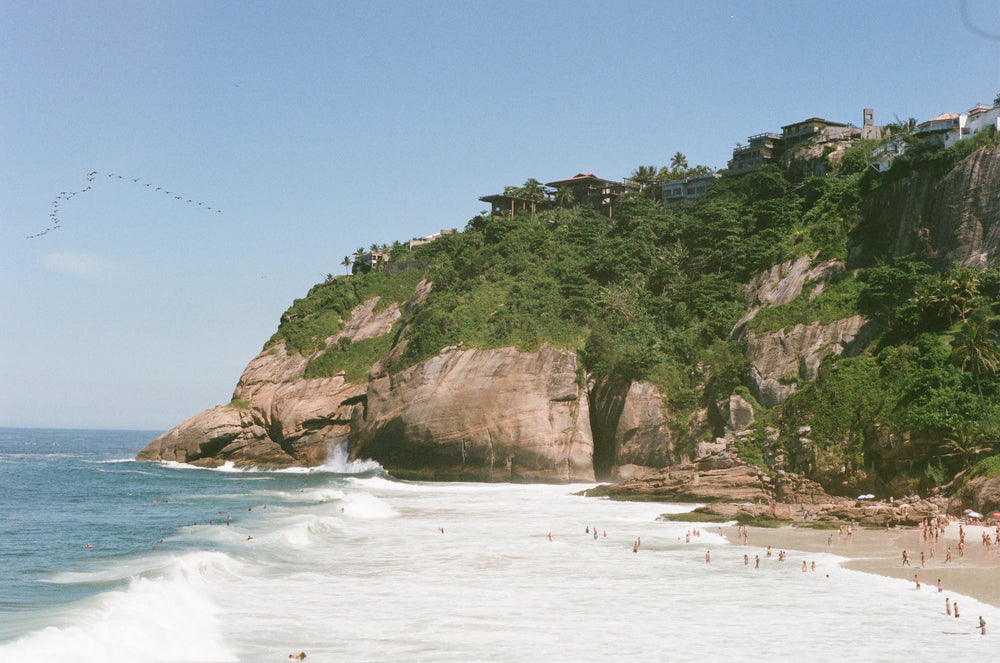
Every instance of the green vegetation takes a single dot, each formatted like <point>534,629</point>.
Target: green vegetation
<point>309,322</point>
<point>239,404</point>
<point>653,293</point>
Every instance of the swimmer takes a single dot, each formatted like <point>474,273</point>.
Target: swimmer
<point>301,656</point>
<point>605,534</point>
<point>814,567</point>
<point>916,580</point>
<point>940,586</point>
<point>550,536</point>
<point>746,560</point>
<point>982,625</point>
<point>955,606</point>
<point>804,567</point>
<point>708,556</point>
<point>249,538</point>
<point>88,546</point>
<point>635,547</point>
<point>947,606</point>
<point>756,561</point>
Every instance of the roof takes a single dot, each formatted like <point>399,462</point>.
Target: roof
<point>500,197</point>
<point>942,117</point>
<point>580,178</point>
<point>815,119</point>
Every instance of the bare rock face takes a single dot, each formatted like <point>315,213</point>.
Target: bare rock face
<point>630,425</point>
<point>493,415</point>
<point>943,220</point>
<point>779,361</point>
<point>979,494</point>
<point>782,283</point>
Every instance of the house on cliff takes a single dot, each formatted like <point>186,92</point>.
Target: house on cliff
<point>588,189</point>
<point>769,147</point>
<point>688,188</point>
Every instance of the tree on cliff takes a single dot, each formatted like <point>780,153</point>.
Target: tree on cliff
<point>976,349</point>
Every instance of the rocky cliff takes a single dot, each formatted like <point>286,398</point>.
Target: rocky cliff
<point>954,218</point>
<point>503,414</point>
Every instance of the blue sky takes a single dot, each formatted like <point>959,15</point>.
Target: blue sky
<point>320,127</point>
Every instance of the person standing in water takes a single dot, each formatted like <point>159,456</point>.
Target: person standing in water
<point>708,556</point>
<point>982,625</point>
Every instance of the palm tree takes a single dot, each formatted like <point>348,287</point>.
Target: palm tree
<point>679,162</point>
<point>564,197</point>
<point>643,176</point>
<point>965,441</point>
<point>976,349</point>
<point>346,262</point>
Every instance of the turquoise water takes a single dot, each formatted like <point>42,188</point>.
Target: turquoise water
<point>348,564</point>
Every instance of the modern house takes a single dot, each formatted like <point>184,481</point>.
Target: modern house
<point>806,130</point>
<point>418,241</point>
<point>760,149</point>
<point>688,188</point>
<point>769,147</point>
<point>509,205</point>
<point>588,189</point>
<point>881,157</point>
<point>953,127</point>
<point>373,259</point>
<point>947,129</point>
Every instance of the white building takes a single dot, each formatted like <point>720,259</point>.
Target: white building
<point>954,127</point>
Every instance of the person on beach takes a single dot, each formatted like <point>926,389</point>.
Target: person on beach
<point>947,606</point>
<point>955,606</point>
<point>906,559</point>
<point>756,561</point>
<point>922,559</point>
<point>769,552</point>
<point>947,556</point>
<point>940,586</point>
<point>916,580</point>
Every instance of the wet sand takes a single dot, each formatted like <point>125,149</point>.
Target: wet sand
<point>876,551</point>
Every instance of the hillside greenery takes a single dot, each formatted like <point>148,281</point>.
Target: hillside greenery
<point>653,293</point>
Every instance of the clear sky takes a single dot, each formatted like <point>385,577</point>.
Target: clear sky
<point>321,127</point>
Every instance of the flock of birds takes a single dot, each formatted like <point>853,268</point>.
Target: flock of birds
<point>91,176</point>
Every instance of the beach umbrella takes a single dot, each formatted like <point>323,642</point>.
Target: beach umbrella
<point>968,511</point>
<point>973,514</point>
<point>996,514</point>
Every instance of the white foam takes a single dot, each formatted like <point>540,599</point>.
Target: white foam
<point>169,618</point>
<point>365,505</point>
<point>339,462</point>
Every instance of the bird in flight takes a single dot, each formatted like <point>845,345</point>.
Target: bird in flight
<point>66,195</point>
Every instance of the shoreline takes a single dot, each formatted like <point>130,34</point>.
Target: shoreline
<point>879,552</point>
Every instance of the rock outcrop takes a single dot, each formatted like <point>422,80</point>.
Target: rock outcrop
<point>779,362</point>
<point>631,427</point>
<point>494,415</point>
<point>277,417</point>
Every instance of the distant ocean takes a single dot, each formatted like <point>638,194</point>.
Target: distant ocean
<point>347,564</point>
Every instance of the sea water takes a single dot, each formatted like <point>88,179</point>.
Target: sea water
<point>103,558</point>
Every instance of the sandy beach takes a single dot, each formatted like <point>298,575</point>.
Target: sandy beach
<point>977,574</point>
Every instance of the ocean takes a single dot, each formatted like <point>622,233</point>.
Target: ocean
<point>106,559</point>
